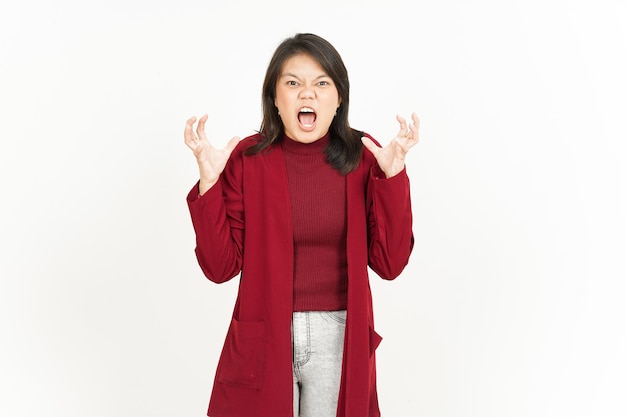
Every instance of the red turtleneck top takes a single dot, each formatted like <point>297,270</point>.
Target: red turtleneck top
<point>318,207</point>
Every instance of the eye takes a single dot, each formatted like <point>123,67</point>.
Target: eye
<point>323,83</point>
<point>292,83</point>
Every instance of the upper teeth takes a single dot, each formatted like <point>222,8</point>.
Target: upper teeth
<point>307,110</point>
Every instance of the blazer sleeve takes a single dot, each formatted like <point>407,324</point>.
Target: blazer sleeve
<point>218,221</point>
<point>390,222</point>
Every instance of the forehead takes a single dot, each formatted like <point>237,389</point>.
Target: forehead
<point>302,64</point>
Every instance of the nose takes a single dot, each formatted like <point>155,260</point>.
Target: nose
<point>307,92</point>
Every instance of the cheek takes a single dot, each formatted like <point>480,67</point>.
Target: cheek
<point>278,98</point>
<point>335,99</point>
<point>284,94</point>
<point>333,102</point>
<point>281,102</point>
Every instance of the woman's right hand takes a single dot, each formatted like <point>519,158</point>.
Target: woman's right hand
<point>211,161</point>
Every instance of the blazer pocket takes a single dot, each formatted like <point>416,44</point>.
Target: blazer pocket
<point>243,357</point>
<point>375,340</point>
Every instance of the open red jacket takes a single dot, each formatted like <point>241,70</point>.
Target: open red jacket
<point>243,227</point>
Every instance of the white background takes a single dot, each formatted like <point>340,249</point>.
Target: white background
<point>513,301</point>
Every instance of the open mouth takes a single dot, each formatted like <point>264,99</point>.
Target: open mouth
<point>307,117</point>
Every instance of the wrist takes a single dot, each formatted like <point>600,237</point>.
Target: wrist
<point>205,185</point>
<point>389,173</point>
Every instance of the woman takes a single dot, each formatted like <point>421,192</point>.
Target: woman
<point>300,210</point>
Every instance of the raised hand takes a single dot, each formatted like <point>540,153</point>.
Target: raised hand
<point>211,161</point>
<point>390,158</point>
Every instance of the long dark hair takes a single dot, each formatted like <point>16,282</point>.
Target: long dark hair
<point>345,147</point>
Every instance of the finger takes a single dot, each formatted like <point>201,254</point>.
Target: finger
<point>401,147</point>
<point>189,126</point>
<point>414,127</point>
<point>370,145</point>
<point>416,120</point>
<point>200,128</point>
<point>189,135</point>
<point>413,135</point>
<point>403,128</point>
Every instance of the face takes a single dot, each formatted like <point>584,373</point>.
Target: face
<point>307,99</point>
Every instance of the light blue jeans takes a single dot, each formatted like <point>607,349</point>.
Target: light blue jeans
<point>317,357</point>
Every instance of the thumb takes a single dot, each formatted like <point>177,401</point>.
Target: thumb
<point>370,145</point>
<point>232,144</point>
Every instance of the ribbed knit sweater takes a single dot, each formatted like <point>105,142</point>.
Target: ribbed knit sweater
<point>318,206</point>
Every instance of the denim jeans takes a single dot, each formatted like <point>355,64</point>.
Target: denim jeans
<point>317,357</point>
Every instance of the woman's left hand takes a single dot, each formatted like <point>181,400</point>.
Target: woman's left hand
<point>390,158</point>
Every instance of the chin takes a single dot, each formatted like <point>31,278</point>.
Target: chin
<point>307,138</point>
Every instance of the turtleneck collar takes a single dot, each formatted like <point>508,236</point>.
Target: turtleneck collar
<point>292,146</point>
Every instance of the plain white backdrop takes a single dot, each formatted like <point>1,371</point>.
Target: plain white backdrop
<point>513,301</point>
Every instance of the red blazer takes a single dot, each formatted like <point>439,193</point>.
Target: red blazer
<point>243,225</point>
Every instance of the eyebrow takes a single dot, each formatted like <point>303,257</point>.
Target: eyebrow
<point>289,74</point>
